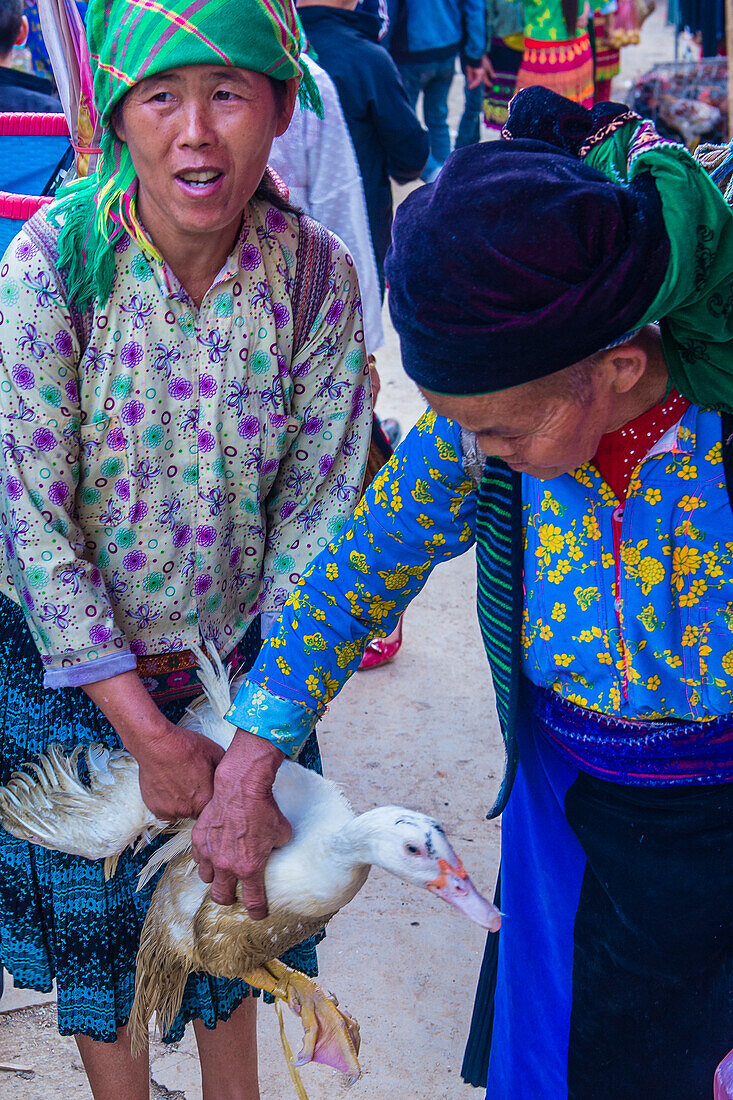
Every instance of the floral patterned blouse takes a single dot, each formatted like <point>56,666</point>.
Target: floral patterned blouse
<point>176,478</point>
<point>662,649</point>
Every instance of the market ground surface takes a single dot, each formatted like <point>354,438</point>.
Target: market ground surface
<point>420,732</point>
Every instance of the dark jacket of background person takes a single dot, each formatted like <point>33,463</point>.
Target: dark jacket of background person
<point>435,30</point>
<point>25,92</point>
<point>387,136</point>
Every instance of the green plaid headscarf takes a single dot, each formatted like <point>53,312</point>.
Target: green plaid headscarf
<point>133,39</point>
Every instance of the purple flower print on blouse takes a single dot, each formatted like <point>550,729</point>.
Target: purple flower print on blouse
<point>208,385</point>
<point>63,343</point>
<point>71,389</point>
<point>205,535</point>
<point>14,488</point>
<point>133,412</point>
<point>287,509</point>
<point>202,584</point>
<point>300,370</point>
<point>312,424</point>
<point>248,427</point>
<point>23,377</point>
<point>182,535</point>
<point>138,512</point>
<point>44,439</point>
<point>139,648</point>
<point>33,343</point>
<point>58,492</point>
<point>357,403</point>
<point>325,462</point>
<point>337,308</point>
<point>99,634</point>
<point>270,465</point>
<point>25,251</point>
<point>95,577</point>
<point>180,389</point>
<point>235,557</point>
<point>122,488</point>
<point>206,441</point>
<point>281,314</point>
<point>251,257</point>
<point>135,560</point>
<point>131,354</point>
<point>275,222</point>
<point>116,439</point>
<point>165,358</point>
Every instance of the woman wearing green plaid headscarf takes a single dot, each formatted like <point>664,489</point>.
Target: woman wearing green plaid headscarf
<point>185,435</point>
<point>132,41</point>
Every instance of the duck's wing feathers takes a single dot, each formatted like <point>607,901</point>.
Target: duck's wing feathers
<point>47,804</point>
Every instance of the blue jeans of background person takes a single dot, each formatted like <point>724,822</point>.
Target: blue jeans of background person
<point>433,79</point>
<point>469,128</point>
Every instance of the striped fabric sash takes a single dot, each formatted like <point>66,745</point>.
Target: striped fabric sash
<point>499,570</point>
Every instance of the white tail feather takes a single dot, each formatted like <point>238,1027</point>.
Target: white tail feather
<point>214,678</point>
<point>176,846</point>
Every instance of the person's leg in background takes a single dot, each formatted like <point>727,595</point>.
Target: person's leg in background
<point>435,109</point>
<point>469,128</point>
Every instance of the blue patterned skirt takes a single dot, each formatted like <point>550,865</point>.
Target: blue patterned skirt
<point>59,919</point>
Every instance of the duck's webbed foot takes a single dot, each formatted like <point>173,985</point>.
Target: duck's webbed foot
<point>331,1034</point>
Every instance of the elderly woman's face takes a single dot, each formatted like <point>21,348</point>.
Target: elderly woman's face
<point>199,137</point>
<point>539,428</point>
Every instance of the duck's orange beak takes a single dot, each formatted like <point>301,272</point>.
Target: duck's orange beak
<point>454,886</point>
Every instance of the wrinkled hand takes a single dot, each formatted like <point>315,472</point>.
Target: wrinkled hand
<point>177,772</point>
<point>240,826</point>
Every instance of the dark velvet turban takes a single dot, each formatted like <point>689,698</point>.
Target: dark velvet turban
<point>517,262</point>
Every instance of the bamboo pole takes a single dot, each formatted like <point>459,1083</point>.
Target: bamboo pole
<point>729,49</point>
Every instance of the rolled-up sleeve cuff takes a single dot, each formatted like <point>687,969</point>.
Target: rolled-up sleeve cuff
<point>283,722</point>
<point>89,672</point>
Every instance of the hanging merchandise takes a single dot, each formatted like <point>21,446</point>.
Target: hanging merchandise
<point>686,100</point>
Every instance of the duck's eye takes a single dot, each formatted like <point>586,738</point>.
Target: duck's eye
<point>412,849</point>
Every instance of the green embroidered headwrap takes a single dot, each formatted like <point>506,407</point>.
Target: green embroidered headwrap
<point>133,39</point>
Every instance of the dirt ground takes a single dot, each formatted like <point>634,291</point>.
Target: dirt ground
<point>419,732</point>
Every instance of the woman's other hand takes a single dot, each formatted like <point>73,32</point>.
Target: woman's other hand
<point>177,772</point>
<point>240,826</point>
<point>176,765</point>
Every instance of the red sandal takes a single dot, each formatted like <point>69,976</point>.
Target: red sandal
<point>382,650</point>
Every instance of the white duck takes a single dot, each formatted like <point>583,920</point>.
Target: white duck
<point>321,868</point>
